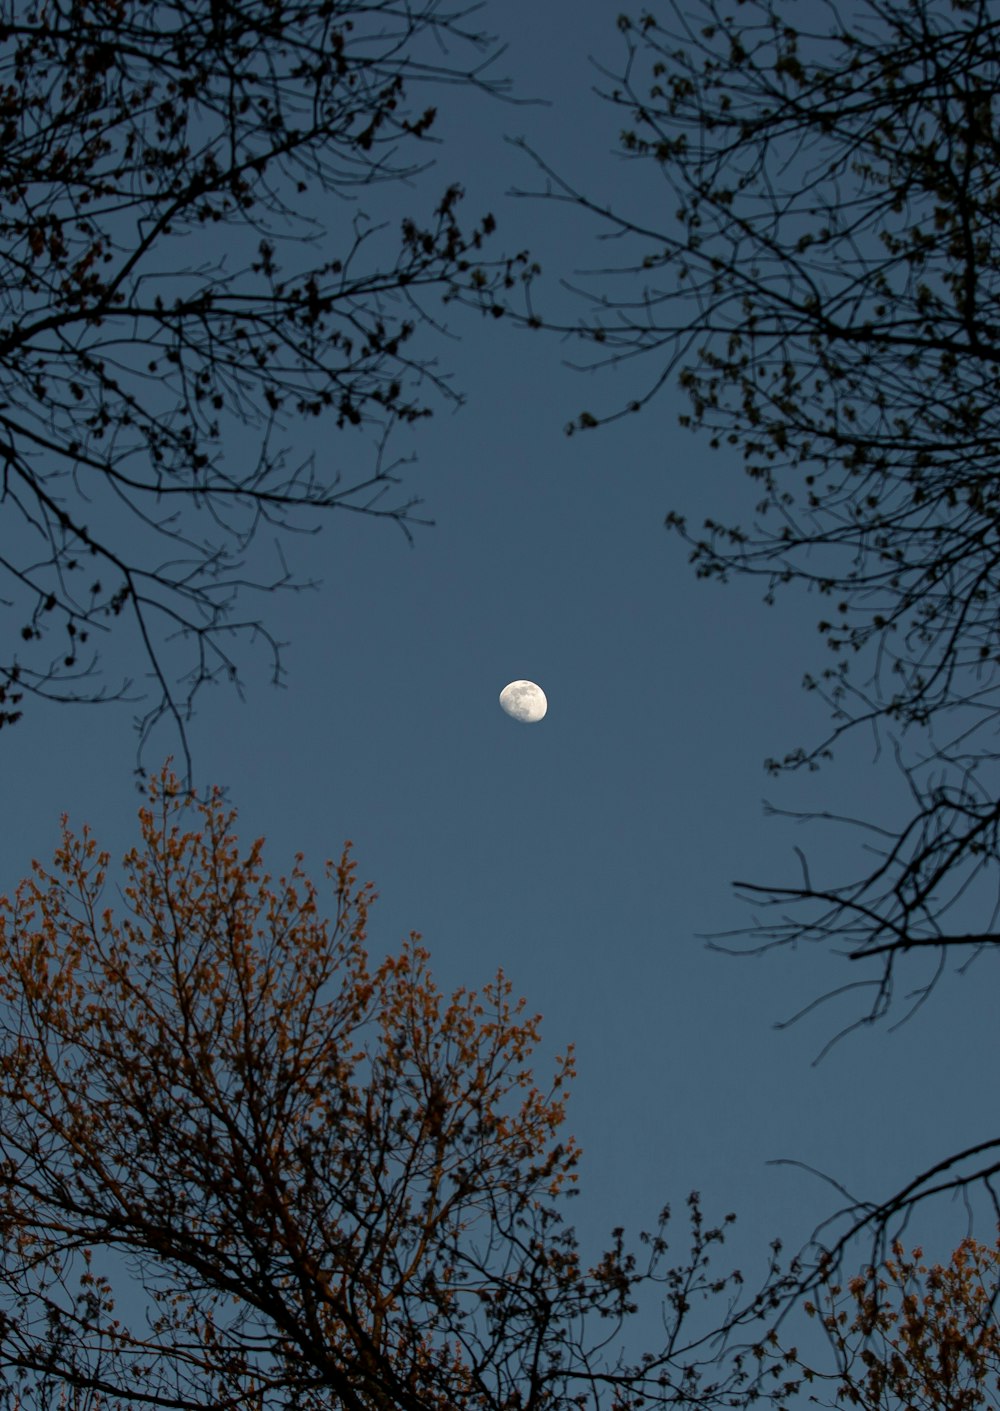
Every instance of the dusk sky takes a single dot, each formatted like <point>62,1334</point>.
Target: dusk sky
<point>585,854</point>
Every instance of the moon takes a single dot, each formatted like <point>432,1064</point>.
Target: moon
<point>524,701</point>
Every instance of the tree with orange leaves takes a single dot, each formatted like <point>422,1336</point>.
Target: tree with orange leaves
<point>318,1182</point>
<point>905,1335</point>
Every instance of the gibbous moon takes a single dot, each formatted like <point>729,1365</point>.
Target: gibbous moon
<point>524,701</point>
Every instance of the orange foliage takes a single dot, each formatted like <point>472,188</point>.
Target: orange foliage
<point>912,1336</point>
<point>305,1159</point>
<point>243,1167</point>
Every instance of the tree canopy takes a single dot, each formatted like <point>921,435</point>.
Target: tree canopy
<point>814,260</point>
<point>242,1165</point>
<point>186,273</point>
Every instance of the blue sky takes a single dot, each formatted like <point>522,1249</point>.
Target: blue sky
<point>585,854</point>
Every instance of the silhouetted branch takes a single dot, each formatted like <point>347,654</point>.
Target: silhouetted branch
<point>142,398</point>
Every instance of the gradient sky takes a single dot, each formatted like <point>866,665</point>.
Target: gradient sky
<point>584,854</point>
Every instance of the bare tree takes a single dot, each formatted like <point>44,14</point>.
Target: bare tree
<point>817,265</point>
<point>242,1166</point>
<point>186,273</point>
